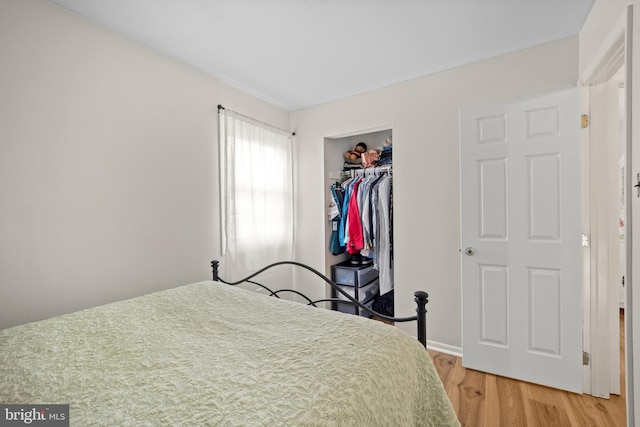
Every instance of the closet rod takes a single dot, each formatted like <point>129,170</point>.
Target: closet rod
<point>376,170</point>
<point>220,107</point>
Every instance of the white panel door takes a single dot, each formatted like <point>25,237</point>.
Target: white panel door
<point>521,239</point>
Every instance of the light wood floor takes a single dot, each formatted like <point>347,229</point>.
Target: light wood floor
<point>486,400</point>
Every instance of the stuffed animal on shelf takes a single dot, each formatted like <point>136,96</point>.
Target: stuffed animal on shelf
<point>354,156</point>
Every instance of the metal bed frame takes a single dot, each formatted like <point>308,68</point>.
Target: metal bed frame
<point>421,297</point>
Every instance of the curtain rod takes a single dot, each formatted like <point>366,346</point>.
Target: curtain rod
<point>220,107</point>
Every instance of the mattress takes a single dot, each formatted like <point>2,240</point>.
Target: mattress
<point>211,354</point>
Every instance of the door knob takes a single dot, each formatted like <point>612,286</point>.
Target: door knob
<point>469,251</point>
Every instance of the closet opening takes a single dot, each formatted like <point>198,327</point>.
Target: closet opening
<point>358,171</point>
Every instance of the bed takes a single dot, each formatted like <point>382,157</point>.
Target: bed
<point>212,354</point>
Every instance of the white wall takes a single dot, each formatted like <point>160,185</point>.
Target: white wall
<point>108,164</point>
<point>423,114</point>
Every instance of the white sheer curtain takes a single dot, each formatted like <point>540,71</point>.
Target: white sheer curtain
<point>256,194</point>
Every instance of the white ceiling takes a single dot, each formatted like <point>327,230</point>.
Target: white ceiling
<point>300,53</point>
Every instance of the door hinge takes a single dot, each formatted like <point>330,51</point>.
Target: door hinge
<point>585,240</point>
<point>585,358</point>
<point>584,121</point>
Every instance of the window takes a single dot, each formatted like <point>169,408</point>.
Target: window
<point>256,193</point>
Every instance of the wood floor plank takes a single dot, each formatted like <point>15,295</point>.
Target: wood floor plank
<point>505,402</point>
<point>445,364</point>
<point>591,411</point>
<point>546,406</point>
<point>471,392</point>
<point>571,412</point>
<point>491,402</point>
<point>547,415</point>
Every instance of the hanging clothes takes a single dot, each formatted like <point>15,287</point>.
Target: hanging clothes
<point>342,234</point>
<point>355,241</point>
<point>368,214</point>
<point>385,262</point>
<point>364,224</point>
<point>335,216</point>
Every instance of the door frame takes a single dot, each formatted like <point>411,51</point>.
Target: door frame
<point>603,275</point>
<point>614,52</point>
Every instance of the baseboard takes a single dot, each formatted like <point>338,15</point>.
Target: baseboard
<point>444,348</point>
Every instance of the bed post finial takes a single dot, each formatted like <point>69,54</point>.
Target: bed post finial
<point>421,299</point>
<point>214,268</point>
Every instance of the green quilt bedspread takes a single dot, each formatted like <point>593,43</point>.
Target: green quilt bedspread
<point>211,354</point>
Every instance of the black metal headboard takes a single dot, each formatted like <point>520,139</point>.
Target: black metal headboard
<point>421,297</point>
